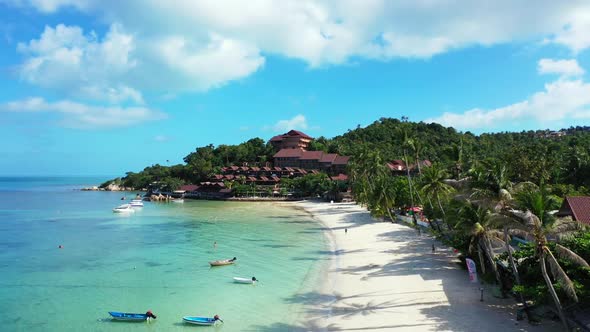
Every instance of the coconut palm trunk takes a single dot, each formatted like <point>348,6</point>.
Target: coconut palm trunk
<point>552,289</point>
<point>515,272</point>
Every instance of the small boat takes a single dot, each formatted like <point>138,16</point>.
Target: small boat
<point>136,203</point>
<point>239,280</point>
<point>123,208</point>
<point>223,262</point>
<point>131,317</point>
<point>208,321</point>
<point>178,200</point>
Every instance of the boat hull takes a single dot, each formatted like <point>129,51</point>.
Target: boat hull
<point>221,262</point>
<point>123,209</point>
<point>205,321</point>
<point>129,317</point>
<point>243,280</point>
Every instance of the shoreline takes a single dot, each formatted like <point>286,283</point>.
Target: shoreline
<point>384,276</point>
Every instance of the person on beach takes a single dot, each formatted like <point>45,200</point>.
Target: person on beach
<point>346,231</point>
<point>433,248</point>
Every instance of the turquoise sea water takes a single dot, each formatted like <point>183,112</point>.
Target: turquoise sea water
<point>156,258</point>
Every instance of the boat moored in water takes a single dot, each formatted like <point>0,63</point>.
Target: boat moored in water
<point>123,208</point>
<point>132,317</point>
<point>136,203</point>
<point>223,262</point>
<point>240,280</point>
<point>208,321</point>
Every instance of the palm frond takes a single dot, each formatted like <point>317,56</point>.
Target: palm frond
<point>560,275</point>
<point>565,253</point>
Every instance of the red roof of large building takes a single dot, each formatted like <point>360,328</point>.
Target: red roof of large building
<point>288,153</point>
<point>311,155</point>
<point>292,133</point>
<point>328,157</point>
<point>578,207</point>
<point>341,160</point>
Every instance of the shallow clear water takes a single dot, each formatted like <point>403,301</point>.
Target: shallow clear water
<point>156,258</point>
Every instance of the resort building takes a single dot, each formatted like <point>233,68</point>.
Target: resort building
<point>293,139</point>
<point>577,207</point>
<point>330,163</point>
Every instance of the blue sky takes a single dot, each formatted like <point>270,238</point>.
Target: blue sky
<point>92,87</point>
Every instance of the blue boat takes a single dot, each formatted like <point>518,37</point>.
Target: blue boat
<point>131,317</point>
<point>201,320</point>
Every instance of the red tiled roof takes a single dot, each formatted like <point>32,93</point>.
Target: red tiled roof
<point>341,160</point>
<point>275,178</point>
<point>235,168</point>
<point>255,169</point>
<point>328,158</point>
<point>288,153</point>
<point>297,133</point>
<point>315,171</point>
<point>217,176</point>
<point>289,169</point>
<point>311,155</point>
<point>264,178</point>
<point>291,133</point>
<point>266,168</point>
<point>579,206</point>
<point>189,187</point>
<point>277,168</point>
<point>229,176</point>
<point>277,138</point>
<point>244,168</point>
<point>340,177</point>
<point>252,178</point>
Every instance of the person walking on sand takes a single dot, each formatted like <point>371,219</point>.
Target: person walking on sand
<point>346,231</point>
<point>433,248</point>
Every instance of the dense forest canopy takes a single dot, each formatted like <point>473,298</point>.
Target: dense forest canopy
<point>528,156</point>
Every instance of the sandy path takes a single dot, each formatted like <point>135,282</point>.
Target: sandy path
<point>384,277</point>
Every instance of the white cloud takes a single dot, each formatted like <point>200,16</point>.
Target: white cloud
<point>78,115</point>
<point>177,46</point>
<point>561,99</point>
<point>574,33</point>
<point>78,65</point>
<point>560,67</point>
<point>297,122</point>
<point>49,6</point>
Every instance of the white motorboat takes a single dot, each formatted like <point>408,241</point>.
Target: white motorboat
<point>123,208</point>
<point>239,280</point>
<point>178,200</point>
<point>136,203</point>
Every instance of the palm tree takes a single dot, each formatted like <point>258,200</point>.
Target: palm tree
<point>372,183</point>
<point>528,225</point>
<point>476,221</point>
<point>434,186</point>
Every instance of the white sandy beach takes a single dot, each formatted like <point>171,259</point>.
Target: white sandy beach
<point>384,276</point>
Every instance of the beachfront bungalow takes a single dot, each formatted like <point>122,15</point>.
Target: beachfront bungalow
<point>293,139</point>
<point>576,207</point>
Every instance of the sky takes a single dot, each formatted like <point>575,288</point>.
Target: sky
<point>91,87</point>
